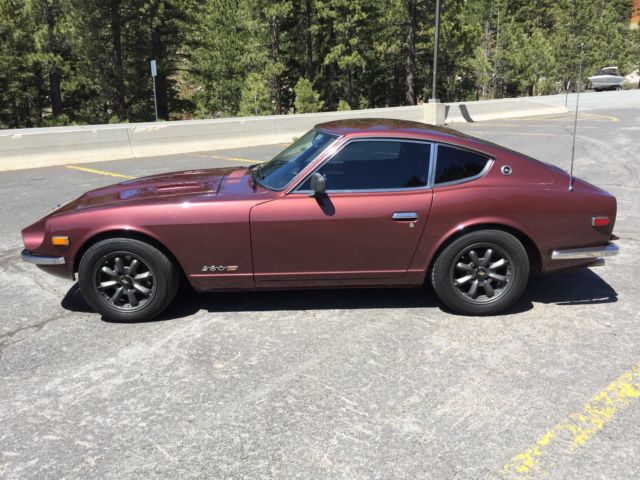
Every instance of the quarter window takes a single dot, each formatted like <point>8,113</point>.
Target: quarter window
<point>454,164</point>
<point>374,165</point>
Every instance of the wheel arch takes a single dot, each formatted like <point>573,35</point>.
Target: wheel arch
<point>533,253</point>
<point>129,234</point>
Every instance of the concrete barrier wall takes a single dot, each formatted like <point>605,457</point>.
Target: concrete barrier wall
<point>199,135</point>
<point>39,147</point>
<point>496,109</point>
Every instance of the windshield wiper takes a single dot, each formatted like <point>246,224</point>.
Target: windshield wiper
<point>256,172</point>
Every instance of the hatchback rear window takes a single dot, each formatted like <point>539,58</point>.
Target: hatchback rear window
<point>454,164</point>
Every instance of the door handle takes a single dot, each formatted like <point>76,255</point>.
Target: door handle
<point>405,216</point>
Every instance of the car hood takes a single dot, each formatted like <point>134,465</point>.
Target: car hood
<point>156,188</point>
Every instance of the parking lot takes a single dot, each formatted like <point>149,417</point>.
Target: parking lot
<point>331,384</point>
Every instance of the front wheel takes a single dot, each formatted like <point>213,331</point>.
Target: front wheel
<point>127,280</point>
<point>481,273</point>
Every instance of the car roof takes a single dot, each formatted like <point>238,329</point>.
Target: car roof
<point>373,126</point>
<point>387,127</point>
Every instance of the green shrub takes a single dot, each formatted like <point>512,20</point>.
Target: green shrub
<point>343,105</point>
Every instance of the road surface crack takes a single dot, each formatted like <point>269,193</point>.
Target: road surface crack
<point>5,338</point>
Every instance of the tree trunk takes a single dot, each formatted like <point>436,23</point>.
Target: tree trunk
<point>348,81</point>
<point>485,52</point>
<point>54,72</point>
<point>275,57</point>
<point>35,120</point>
<point>118,70</point>
<point>308,11</point>
<point>410,63</point>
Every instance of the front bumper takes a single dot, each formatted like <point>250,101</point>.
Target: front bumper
<point>585,253</point>
<point>38,260</point>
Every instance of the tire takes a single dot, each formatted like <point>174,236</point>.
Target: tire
<point>499,279</point>
<point>127,280</point>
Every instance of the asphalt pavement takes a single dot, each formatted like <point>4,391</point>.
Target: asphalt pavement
<point>331,384</point>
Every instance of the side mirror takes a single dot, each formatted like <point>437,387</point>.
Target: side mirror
<point>318,184</point>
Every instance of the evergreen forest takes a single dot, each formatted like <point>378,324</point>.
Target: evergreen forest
<point>65,62</point>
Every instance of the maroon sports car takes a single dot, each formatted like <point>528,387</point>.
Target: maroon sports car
<point>354,203</point>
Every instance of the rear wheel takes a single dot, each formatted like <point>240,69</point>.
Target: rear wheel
<point>481,273</point>
<point>127,280</point>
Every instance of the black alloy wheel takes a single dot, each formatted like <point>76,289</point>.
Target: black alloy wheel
<point>127,280</point>
<point>481,273</point>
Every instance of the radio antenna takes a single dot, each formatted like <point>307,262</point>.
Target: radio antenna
<point>575,118</point>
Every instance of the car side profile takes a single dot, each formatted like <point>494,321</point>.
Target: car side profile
<point>352,203</point>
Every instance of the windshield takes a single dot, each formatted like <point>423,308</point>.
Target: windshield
<point>281,169</point>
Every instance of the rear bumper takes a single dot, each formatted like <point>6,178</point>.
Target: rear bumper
<point>585,253</point>
<point>38,260</point>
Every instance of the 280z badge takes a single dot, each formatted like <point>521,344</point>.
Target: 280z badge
<point>220,268</point>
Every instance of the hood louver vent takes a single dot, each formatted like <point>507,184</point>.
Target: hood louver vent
<point>177,186</point>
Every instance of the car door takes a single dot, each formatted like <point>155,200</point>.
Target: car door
<point>365,229</point>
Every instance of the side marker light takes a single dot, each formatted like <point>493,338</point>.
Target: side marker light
<point>60,241</point>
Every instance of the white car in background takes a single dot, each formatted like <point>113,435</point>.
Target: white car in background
<point>607,79</point>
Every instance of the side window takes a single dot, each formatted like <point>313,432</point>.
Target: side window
<point>454,164</point>
<point>370,165</point>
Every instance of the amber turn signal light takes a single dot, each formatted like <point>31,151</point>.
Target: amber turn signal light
<point>600,221</point>
<point>60,241</point>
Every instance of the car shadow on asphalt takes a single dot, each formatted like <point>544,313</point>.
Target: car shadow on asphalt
<point>581,287</point>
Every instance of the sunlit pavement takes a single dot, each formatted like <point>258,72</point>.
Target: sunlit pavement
<point>330,384</point>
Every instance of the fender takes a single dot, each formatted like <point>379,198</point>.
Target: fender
<point>432,242</point>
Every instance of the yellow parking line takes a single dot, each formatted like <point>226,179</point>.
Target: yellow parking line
<point>561,116</point>
<point>594,115</point>
<point>98,172</point>
<point>234,159</point>
<point>521,126</point>
<point>576,429</point>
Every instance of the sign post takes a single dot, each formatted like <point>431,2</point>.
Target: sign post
<point>154,74</point>
<point>434,69</point>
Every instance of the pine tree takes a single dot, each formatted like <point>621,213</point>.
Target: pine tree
<point>255,98</point>
<point>20,81</point>
<point>348,20</point>
<point>307,99</point>
<point>223,58</point>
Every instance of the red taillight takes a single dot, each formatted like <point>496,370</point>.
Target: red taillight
<point>600,221</point>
